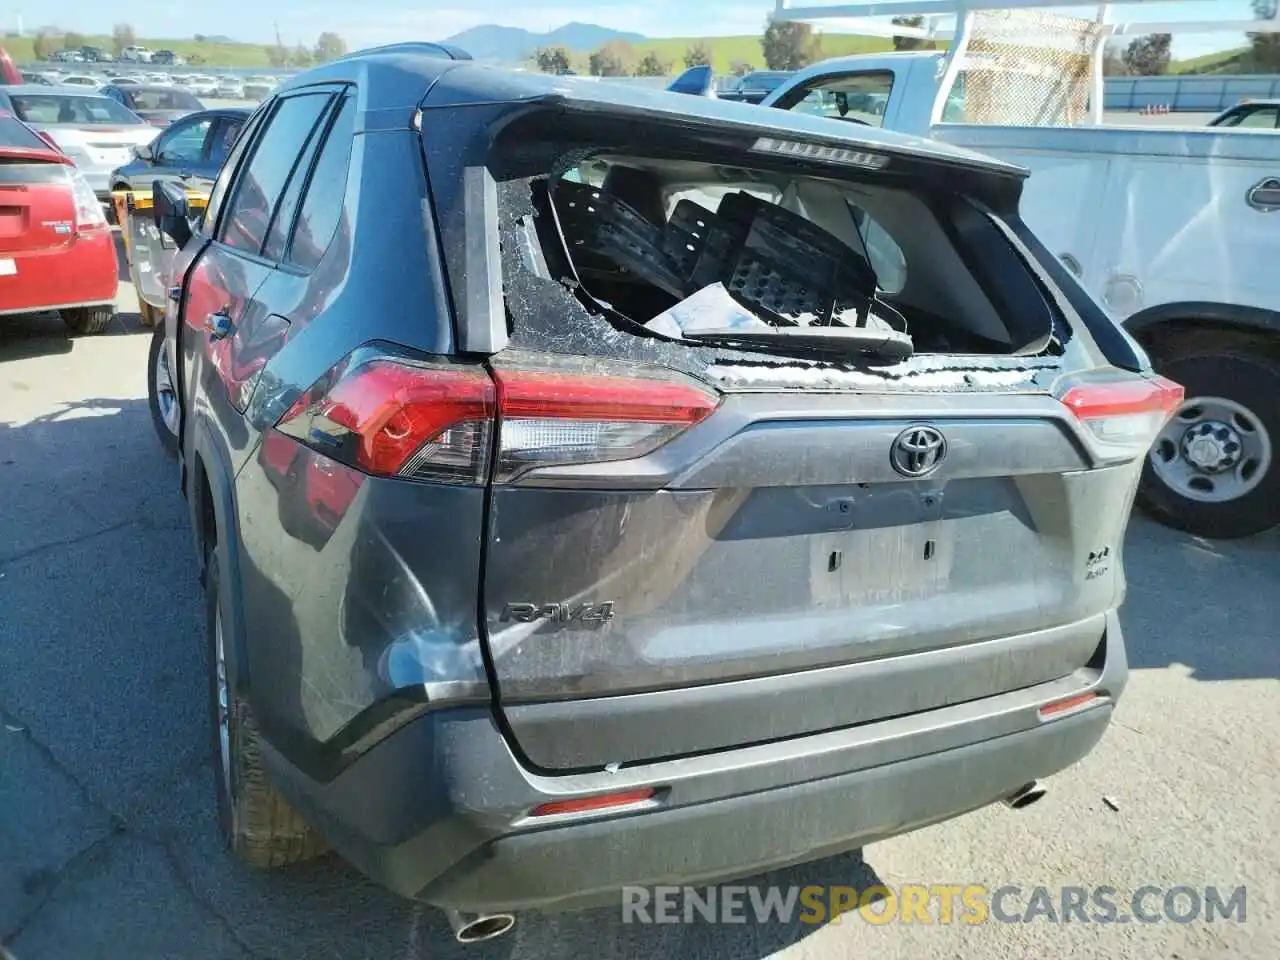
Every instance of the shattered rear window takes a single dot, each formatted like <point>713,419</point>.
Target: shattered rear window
<point>687,245</point>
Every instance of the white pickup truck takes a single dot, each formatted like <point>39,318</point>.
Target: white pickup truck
<point>1176,231</point>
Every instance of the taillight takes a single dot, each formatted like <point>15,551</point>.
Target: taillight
<point>1123,417</point>
<point>399,418</point>
<point>89,212</point>
<point>551,418</point>
<point>394,417</point>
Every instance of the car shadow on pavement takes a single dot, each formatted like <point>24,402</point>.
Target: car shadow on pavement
<point>1207,605</point>
<point>109,846</point>
<point>25,336</point>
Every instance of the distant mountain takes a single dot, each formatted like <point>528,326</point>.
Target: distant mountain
<point>492,42</point>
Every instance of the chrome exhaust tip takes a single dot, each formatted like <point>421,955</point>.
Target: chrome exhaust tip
<point>1025,795</point>
<point>478,927</point>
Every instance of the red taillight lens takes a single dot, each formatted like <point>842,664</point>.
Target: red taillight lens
<point>1124,416</point>
<point>608,801</point>
<point>395,417</point>
<point>551,418</point>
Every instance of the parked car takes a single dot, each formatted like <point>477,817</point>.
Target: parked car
<point>167,57</point>
<point>136,54</point>
<point>158,79</point>
<point>230,88</point>
<point>84,81</point>
<point>36,79</point>
<point>754,86</point>
<point>95,55</point>
<point>258,88</point>
<point>97,133</point>
<point>191,151</point>
<point>1250,115</point>
<point>67,56</point>
<point>123,82</point>
<point>56,251</point>
<point>629,580</point>
<point>203,86</point>
<point>698,81</point>
<point>159,106</point>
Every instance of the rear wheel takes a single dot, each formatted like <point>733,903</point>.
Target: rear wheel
<point>257,823</point>
<point>88,320</point>
<point>1212,471</point>
<point>162,394</point>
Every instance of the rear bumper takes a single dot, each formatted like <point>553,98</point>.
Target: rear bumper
<point>439,810</point>
<point>83,273</point>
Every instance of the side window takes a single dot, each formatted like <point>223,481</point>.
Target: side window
<point>277,151</point>
<point>225,132</point>
<point>183,143</point>
<point>223,183</point>
<point>1260,118</point>
<point>860,97</point>
<point>323,205</point>
<point>282,222</point>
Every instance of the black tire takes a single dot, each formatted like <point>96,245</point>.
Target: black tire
<point>88,320</point>
<point>257,823</point>
<point>168,439</point>
<point>1254,383</point>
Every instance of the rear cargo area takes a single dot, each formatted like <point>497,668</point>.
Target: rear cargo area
<point>884,508</point>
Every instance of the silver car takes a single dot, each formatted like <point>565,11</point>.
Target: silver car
<point>97,133</point>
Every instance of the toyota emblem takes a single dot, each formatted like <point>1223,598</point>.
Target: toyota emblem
<point>917,451</point>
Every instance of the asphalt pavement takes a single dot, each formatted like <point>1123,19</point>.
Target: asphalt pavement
<point>108,847</point>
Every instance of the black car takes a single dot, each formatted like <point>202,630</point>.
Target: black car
<point>596,487</point>
<point>190,151</point>
<point>158,105</point>
<point>1250,115</point>
<point>755,86</point>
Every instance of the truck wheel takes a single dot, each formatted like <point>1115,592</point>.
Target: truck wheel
<point>1212,471</point>
<point>162,395</point>
<point>88,320</point>
<point>257,824</point>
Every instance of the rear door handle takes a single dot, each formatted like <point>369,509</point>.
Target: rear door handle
<point>1265,195</point>
<point>218,325</point>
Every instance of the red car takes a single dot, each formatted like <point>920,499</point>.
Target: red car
<point>57,251</point>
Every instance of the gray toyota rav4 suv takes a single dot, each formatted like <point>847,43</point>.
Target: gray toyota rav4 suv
<point>596,486</point>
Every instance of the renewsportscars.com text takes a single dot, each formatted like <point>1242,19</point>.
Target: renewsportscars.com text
<point>933,904</point>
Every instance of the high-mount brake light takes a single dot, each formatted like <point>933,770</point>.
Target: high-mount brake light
<point>820,152</point>
<point>1124,416</point>
<point>393,417</point>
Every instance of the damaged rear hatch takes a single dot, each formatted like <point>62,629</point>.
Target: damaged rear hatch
<point>795,431</point>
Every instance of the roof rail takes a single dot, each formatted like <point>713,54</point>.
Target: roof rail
<point>444,51</point>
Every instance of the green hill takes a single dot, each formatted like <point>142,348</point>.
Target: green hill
<point>224,54</point>
<point>1224,61</point>
<point>725,52</point>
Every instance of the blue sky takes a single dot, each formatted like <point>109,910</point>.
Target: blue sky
<point>380,21</point>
